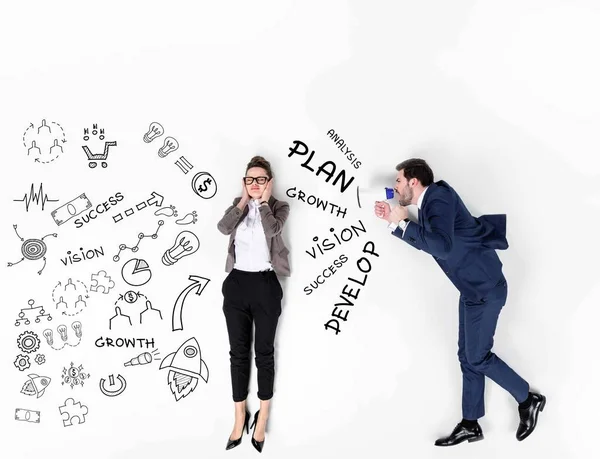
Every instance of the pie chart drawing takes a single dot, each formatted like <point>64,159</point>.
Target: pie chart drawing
<point>136,272</point>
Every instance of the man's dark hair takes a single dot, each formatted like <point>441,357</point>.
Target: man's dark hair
<point>259,161</point>
<point>417,168</point>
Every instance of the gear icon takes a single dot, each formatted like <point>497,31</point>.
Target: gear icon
<point>40,359</point>
<point>22,362</point>
<point>28,342</point>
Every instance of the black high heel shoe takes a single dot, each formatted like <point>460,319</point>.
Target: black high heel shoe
<point>233,443</point>
<point>257,444</point>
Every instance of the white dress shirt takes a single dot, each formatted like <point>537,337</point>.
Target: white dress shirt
<point>402,224</point>
<point>250,243</point>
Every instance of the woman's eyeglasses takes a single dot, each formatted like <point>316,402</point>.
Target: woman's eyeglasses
<point>260,180</point>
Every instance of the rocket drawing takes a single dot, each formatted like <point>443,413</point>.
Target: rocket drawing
<point>36,385</point>
<point>185,367</point>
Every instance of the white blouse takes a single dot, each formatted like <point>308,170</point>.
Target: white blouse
<point>250,242</point>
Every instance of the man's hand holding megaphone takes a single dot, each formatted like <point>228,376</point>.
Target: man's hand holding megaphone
<point>397,214</point>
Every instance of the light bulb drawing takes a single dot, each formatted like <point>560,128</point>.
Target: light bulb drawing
<point>155,130</point>
<point>169,146</point>
<point>186,243</point>
<point>77,327</point>
<point>62,329</point>
<point>49,336</point>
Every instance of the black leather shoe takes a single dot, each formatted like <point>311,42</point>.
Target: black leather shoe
<point>258,445</point>
<point>529,416</point>
<point>233,443</point>
<point>460,434</point>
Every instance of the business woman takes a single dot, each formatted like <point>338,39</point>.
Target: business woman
<point>252,292</point>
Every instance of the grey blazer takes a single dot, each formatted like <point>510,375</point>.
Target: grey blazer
<point>272,217</point>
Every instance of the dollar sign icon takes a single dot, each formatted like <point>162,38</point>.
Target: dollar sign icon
<point>204,185</point>
<point>130,296</point>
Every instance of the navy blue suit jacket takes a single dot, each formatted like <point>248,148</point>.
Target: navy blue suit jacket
<point>463,246</point>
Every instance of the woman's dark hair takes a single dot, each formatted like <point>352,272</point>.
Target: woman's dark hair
<point>417,168</point>
<point>259,161</point>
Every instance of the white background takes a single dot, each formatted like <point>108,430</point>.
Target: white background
<point>501,99</point>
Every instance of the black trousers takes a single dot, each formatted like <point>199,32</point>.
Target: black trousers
<point>252,297</point>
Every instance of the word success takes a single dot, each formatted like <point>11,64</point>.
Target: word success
<point>99,209</point>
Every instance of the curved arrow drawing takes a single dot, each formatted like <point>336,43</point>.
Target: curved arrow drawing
<point>198,282</point>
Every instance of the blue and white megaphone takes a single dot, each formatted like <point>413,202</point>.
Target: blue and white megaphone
<point>370,195</point>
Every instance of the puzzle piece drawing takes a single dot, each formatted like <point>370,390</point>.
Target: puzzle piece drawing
<point>102,280</point>
<point>73,411</point>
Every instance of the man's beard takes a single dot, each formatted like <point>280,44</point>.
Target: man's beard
<point>405,202</point>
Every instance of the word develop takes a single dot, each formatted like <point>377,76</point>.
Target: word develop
<point>364,266</point>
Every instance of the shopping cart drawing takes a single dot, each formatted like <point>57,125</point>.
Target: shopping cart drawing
<point>94,159</point>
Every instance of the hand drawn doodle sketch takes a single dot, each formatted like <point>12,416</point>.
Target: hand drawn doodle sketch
<point>169,146</point>
<point>204,185</point>
<point>71,209</point>
<point>185,367</point>
<point>155,200</point>
<point>94,159</point>
<point>35,385</point>
<point>39,310</point>
<point>22,414</point>
<point>189,218</point>
<point>198,283</point>
<point>22,362</point>
<point>186,243</point>
<point>44,143</point>
<point>120,317</point>
<point>143,359</point>
<point>136,272</point>
<point>40,359</point>
<point>184,164</point>
<point>149,308</point>
<point>70,299</point>
<point>168,211</point>
<point>74,376</point>
<point>111,389</point>
<point>155,130</point>
<point>28,342</point>
<point>32,249</point>
<point>103,281</point>
<point>62,330</point>
<point>141,236</point>
<point>74,411</point>
<point>37,197</point>
<point>132,297</point>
